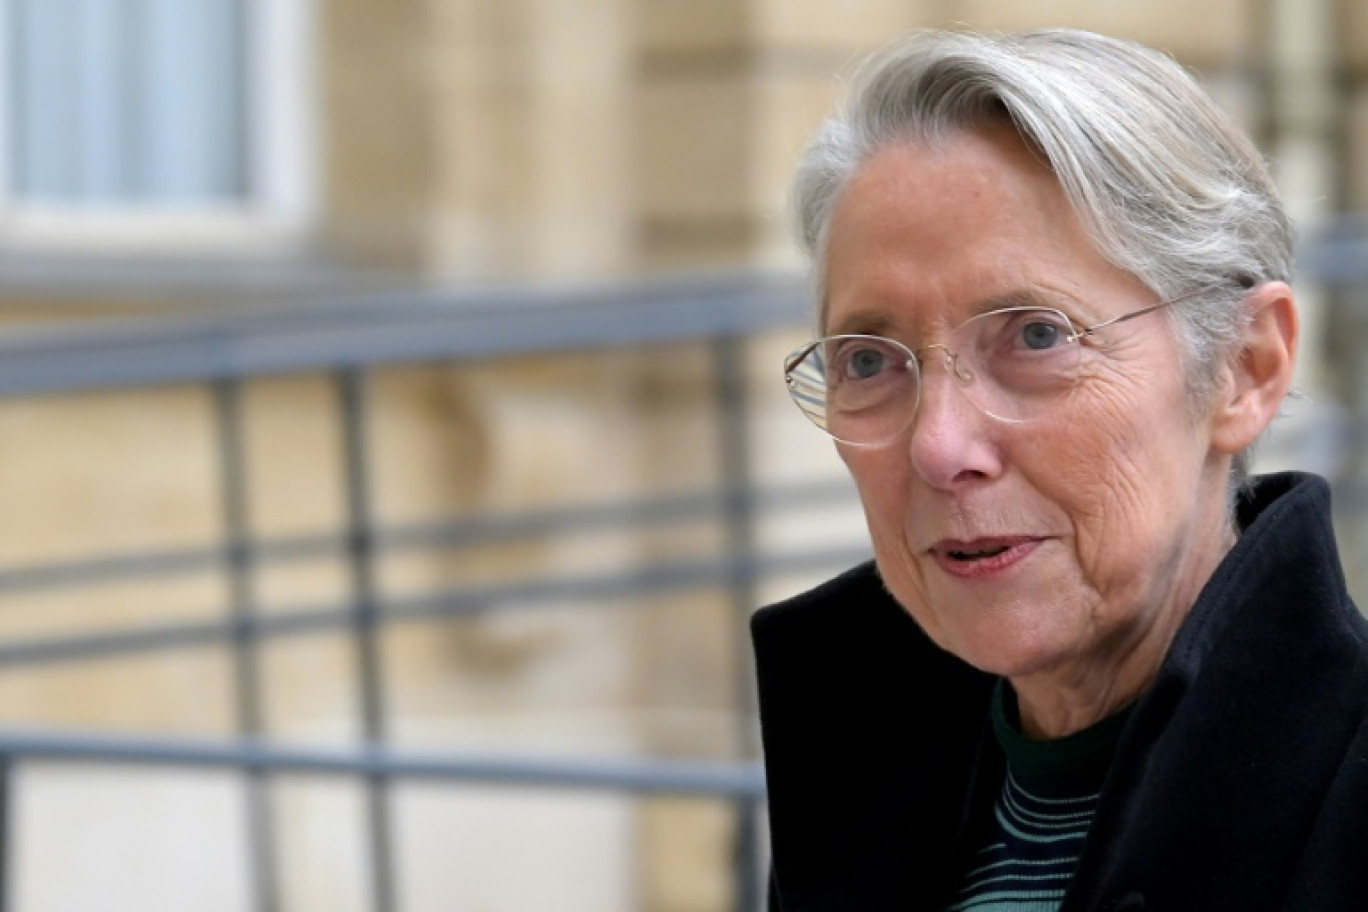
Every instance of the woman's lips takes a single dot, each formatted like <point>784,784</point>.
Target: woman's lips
<point>982,557</point>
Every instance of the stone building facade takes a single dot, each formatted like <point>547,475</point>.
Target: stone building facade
<point>465,144</point>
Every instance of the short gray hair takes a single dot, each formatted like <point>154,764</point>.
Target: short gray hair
<point>1168,187</point>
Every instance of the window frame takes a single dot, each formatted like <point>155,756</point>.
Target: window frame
<point>281,93</point>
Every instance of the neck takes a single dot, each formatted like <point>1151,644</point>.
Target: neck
<point>1049,713</point>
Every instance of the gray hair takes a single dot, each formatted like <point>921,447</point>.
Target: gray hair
<point>1168,187</point>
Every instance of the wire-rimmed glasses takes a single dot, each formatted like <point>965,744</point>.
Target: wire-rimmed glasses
<point>1014,364</point>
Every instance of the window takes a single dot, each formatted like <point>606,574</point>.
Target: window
<point>148,119</point>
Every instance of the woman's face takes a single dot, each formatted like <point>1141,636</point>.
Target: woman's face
<point>1065,549</point>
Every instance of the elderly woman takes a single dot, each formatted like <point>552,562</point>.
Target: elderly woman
<point>1093,665</point>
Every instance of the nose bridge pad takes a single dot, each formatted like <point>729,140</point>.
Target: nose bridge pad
<point>953,365</point>
<point>963,377</point>
<point>963,374</point>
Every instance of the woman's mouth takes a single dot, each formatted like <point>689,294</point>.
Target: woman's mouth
<point>983,557</point>
<point>976,553</point>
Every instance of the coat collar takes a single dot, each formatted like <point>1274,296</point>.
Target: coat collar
<point>1229,750</point>
<point>860,714</point>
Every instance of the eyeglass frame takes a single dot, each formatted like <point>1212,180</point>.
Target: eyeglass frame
<point>796,357</point>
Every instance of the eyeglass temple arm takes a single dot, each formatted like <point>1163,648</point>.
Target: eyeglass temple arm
<point>1089,330</point>
<point>797,357</point>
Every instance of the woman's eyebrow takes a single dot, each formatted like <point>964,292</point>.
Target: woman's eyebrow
<point>881,323</point>
<point>862,323</point>
<point>1017,297</point>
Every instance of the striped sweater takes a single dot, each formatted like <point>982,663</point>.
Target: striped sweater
<point>1031,844</point>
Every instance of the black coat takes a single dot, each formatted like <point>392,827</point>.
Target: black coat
<point>1240,782</point>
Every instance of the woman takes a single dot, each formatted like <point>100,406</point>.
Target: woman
<point>1093,666</point>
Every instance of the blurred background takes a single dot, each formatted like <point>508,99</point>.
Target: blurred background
<point>393,437</point>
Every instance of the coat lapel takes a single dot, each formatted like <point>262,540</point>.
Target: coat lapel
<point>1221,772</point>
<point>870,743</point>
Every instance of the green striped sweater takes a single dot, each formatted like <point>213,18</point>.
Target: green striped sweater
<point>1030,845</point>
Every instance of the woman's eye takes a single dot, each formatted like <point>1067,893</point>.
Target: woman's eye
<point>1039,335</point>
<point>865,363</point>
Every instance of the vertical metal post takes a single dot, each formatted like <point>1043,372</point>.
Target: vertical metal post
<point>1306,116</point>
<point>1309,113</point>
<point>365,628</point>
<point>247,671</point>
<point>6,831</point>
<point>733,425</point>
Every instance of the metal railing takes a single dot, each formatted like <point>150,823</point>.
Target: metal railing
<point>347,340</point>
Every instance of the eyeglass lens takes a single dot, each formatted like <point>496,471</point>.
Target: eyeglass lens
<point>1012,364</point>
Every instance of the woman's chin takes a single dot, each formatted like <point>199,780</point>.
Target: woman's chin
<point>1006,656</point>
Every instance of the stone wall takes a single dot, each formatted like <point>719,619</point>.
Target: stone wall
<point>469,141</point>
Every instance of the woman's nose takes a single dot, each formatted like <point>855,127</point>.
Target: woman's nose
<point>951,440</point>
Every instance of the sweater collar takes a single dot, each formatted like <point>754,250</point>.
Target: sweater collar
<point>1058,768</point>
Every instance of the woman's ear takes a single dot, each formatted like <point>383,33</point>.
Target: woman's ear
<point>1260,373</point>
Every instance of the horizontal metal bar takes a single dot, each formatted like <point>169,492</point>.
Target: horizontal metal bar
<point>161,563</point>
<point>662,577</point>
<point>732,780</point>
<point>1336,252</point>
<point>466,601</point>
<point>455,325</point>
<point>447,533</point>
<point>451,326</point>
<point>644,512</point>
